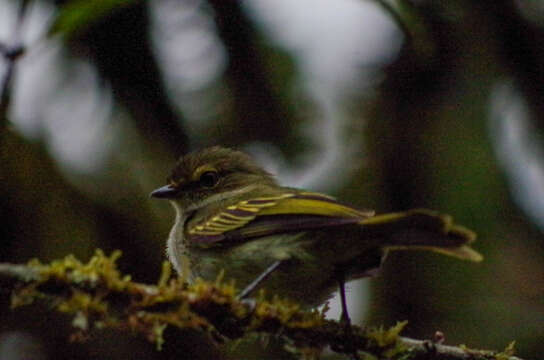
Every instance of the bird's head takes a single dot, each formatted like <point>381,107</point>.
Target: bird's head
<point>202,177</point>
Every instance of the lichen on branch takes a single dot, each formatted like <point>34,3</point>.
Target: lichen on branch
<point>99,296</point>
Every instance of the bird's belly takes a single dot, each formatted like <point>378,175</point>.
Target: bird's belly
<point>303,277</point>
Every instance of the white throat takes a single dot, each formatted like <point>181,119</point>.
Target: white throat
<point>175,247</point>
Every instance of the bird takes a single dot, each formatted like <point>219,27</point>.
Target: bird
<point>233,217</point>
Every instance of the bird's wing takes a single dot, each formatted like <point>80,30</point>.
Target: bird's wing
<point>261,216</point>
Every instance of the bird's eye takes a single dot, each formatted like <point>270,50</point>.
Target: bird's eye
<point>209,179</point>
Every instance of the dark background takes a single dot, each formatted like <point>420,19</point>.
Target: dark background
<point>388,105</point>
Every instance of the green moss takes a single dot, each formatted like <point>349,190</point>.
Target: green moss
<point>388,340</point>
<point>158,332</point>
<point>83,302</point>
<point>99,269</point>
<point>384,338</point>
<point>507,352</point>
<point>166,274</point>
<point>99,296</point>
<point>286,312</point>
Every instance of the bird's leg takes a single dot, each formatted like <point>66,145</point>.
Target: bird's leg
<point>345,321</point>
<point>249,288</point>
<point>344,317</point>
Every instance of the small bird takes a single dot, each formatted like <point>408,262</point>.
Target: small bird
<point>232,216</point>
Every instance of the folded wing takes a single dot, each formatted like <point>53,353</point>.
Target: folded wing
<point>290,211</point>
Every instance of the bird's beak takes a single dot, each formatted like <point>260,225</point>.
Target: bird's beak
<point>165,192</point>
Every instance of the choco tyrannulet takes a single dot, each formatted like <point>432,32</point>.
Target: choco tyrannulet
<point>231,215</point>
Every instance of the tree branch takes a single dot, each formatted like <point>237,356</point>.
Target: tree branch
<point>99,296</point>
<point>422,349</point>
<point>10,53</point>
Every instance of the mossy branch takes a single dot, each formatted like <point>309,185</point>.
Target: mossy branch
<point>99,296</point>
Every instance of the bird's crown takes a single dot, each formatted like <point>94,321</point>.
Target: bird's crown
<point>215,161</point>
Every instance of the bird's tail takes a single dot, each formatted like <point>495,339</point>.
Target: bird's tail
<point>422,229</point>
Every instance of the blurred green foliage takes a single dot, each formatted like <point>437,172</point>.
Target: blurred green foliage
<point>75,16</point>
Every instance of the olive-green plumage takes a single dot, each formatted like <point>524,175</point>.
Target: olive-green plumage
<point>231,215</point>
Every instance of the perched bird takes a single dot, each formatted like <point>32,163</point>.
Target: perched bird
<point>232,215</point>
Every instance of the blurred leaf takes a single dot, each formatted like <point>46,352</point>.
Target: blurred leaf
<point>77,15</point>
<point>411,22</point>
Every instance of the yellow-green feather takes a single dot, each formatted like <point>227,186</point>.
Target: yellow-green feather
<point>313,207</point>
